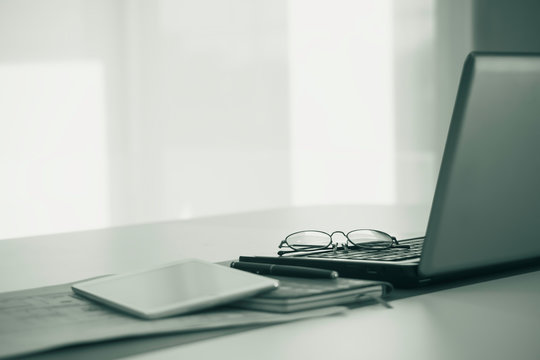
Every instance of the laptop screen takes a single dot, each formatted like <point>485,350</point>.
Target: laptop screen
<point>486,207</point>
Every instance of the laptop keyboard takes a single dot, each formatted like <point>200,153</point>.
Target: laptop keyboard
<point>392,254</point>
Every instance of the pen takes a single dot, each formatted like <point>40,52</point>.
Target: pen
<point>284,270</point>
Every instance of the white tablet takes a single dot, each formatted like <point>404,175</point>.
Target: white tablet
<point>174,289</point>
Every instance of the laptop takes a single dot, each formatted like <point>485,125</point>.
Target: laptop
<point>486,208</point>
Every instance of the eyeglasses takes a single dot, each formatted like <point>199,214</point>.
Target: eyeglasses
<point>313,240</point>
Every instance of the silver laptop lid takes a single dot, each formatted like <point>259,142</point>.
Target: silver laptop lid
<point>486,208</point>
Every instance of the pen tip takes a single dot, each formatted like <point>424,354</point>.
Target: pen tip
<point>334,274</point>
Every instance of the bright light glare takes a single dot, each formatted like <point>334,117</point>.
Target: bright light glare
<point>52,148</point>
<point>342,114</point>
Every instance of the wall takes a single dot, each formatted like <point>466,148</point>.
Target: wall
<point>507,25</point>
<point>130,111</point>
<point>59,83</point>
<point>117,112</point>
<point>207,101</point>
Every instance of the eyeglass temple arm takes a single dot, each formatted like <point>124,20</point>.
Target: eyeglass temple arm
<point>283,252</point>
<point>398,245</point>
<point>406,246</point>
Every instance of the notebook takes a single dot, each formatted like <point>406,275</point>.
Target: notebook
<point>295,294</point>
<point>485,210</point>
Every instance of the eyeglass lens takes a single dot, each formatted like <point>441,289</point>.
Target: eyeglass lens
<point>370,238</point>
<point>309,238</point>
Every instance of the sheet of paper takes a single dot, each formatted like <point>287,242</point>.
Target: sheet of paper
<point>51,317</point>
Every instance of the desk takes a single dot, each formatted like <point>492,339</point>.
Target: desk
<point>498,318</point>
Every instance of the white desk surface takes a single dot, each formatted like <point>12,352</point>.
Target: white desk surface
<point>494,319</point>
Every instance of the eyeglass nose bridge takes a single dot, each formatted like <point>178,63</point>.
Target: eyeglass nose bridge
<point>338,232</point>
<point>335,245</point>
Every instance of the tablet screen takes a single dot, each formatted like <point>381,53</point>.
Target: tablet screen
<point>174,288</point>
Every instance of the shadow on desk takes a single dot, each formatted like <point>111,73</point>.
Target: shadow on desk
<point>403,293</point>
